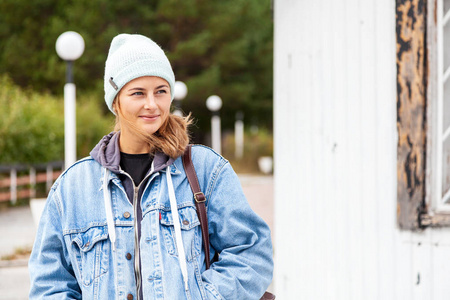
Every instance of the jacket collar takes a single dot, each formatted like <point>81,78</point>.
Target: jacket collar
<point>107,154</point>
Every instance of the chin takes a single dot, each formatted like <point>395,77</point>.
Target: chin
<point>150,130</point>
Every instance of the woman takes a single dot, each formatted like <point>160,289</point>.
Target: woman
<point>107,231</point>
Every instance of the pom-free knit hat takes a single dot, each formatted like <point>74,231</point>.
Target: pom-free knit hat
<point>132,56</point>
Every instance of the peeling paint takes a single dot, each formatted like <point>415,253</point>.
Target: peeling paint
<point>411,111</point>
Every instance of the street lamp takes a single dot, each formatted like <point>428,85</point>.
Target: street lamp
<point>179,94</point>
<point>239,135</point>
<point>214,104</point>
<point>69,46</point>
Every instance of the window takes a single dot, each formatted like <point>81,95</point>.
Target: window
<point>440,188</point>
<point>423,113</point>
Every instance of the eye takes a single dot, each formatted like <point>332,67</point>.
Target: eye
<point>161,91</point>
<point>137,94</point>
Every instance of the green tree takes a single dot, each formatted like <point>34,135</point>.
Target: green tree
<point>216,47</point>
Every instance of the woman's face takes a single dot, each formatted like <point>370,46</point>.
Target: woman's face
<point>145,102</point>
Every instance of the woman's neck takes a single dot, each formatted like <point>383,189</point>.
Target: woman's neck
<point>131,144</point>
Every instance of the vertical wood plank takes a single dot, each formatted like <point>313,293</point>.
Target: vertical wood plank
<point>423,270</point>
<point>411,103</point>
<point>403,280</point>
<point>317,104</point>
<point>292,73</point>
<point>330,239</point>
<point>353,160</point>
<point>337,80</point>
<point>388,268</point>
<point>441,248</point>
<point>49,182</point>
<point>368,197</point>
<point>32,182</point>
<point>13,187</point>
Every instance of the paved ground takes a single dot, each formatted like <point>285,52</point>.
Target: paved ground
<point>17,231</point>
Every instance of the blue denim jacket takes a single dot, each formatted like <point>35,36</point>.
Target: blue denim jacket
<point>73,256</point>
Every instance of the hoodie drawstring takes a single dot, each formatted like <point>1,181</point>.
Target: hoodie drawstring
<point>109,212</point>
<point>175,215</point>
<point>176,224</point>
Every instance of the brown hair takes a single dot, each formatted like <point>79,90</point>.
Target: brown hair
<point>171,138</point>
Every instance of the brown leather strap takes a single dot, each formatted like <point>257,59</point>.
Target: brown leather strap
<point>268,296</point>
<point>199,201</point>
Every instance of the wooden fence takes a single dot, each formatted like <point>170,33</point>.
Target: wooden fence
<point>23,186</point>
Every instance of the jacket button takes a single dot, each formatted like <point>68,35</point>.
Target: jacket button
<point>129,297</point>
<point>128,256</point>
<point>126,215</point>
<point>185,222</point>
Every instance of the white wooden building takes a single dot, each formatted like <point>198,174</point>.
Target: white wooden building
<point>361,150</point>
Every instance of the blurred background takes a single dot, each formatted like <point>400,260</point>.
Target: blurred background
<point>222,48</point>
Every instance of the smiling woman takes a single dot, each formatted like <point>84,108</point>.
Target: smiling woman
<point>124,223</point>
<point>142,106</point>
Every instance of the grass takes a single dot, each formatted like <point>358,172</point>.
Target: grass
<point>19,253</point>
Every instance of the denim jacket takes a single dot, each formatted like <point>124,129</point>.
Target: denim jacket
<point>78,253</point>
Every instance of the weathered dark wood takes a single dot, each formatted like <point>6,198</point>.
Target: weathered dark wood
<point>436,220</point>
<point>411,111</point>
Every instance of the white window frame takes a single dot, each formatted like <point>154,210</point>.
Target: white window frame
<point>436,136</point>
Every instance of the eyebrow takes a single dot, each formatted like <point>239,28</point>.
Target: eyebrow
<point>136,89</point>
<point>142,89</point>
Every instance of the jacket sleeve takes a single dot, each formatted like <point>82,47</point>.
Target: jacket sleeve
<point>51,273</point>
<point>245,266</point>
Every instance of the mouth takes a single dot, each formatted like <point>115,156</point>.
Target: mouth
<point>149,117</point>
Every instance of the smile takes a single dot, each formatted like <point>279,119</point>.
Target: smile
<point>149,118</point>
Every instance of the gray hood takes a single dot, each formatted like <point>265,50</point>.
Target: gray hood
<point>107,154</point>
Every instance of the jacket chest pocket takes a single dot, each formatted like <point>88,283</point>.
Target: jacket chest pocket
<point>190,232</point>
<point>91,250</point>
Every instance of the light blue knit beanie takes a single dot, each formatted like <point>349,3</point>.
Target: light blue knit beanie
<point>132,56</point>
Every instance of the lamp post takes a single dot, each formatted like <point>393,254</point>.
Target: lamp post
<point>239,135</point>
<point>69,46</point>
<point>214,104</point>
<point>179,94</point>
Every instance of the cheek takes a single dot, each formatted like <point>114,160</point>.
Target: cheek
<point>130,109</point>
<point>166,108</point>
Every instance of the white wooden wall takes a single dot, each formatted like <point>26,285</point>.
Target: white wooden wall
<point>336,235</point>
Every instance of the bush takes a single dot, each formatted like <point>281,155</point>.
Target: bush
<point>92,124</point>
<point>32,125</point>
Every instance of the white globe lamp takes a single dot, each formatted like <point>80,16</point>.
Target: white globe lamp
<point>180,92</point>
<point>69,46</point>
<point>214,104</point>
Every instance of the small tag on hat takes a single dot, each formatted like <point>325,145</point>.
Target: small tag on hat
<point>114,85</point>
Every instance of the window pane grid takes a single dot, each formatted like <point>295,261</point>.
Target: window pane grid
<point>443,122</point>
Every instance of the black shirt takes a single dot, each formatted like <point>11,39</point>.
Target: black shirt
<point>136,165</point>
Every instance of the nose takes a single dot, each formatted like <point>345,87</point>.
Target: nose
<point>150,102</point>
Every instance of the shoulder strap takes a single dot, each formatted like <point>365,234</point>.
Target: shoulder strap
<point>199,201</point>
<point>201,209</point>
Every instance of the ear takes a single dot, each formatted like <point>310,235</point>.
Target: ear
<point>114,105</point>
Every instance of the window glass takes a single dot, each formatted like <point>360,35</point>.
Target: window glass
<point>446,46</point>
<point>446,108</point>
<point>446,169</point>
<point>446,6</point>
